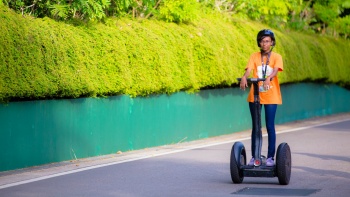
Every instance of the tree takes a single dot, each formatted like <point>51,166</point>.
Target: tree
<point>343,26</point>
<point>326,12</point>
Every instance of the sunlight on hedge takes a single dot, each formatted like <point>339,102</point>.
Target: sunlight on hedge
<point>42,58</point>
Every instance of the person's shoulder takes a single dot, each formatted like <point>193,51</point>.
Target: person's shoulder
<point>276,54</point>
<point>255,54</point>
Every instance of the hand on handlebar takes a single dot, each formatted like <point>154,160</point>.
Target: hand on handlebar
<point>267,84</point>
<point>243,84</point>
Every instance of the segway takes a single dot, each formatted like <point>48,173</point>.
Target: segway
<point>238,161</point>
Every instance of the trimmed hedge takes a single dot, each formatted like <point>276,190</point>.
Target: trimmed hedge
<point>42,58</point>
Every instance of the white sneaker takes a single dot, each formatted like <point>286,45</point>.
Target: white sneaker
<point>251,162</point>
<point>270,162</point>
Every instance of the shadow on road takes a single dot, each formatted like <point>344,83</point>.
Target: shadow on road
<point>326,157</point>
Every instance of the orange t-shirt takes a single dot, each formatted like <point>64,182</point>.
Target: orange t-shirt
<point>273,95</point>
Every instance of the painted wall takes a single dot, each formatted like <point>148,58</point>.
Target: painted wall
<point>40,132</point>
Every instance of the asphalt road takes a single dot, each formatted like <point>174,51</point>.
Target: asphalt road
<point>320,167</point>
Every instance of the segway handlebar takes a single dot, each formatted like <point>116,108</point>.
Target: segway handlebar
<point>253,79</point>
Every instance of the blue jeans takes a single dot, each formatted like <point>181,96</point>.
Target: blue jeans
<point>270,112</point>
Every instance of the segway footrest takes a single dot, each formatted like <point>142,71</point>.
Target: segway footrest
<point>260,171</point>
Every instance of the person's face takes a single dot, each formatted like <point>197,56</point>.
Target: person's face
<point>266,43</point>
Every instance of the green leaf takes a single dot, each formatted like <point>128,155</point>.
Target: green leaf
<point>346,4</point>
<point>59,11</point>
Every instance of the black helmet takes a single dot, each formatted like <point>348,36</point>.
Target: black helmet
<point>263,33</point>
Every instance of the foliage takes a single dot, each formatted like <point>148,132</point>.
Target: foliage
<point>179,10</point>
<point>273,12</point>
<point>43,59</point>
<point>61,9</point>
<point>343,26</point>
<point>308,15</point>
<point>327,13</point>
<point>326,16</point>
<point>320,16</point>
<point>84,9</point>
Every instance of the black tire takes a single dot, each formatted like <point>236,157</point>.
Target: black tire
<point>238,158</point>
<point>283,164</point>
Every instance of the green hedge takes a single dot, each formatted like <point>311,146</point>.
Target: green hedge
<point>42,58</point>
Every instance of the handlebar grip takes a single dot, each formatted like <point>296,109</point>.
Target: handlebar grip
<point>254,79</point>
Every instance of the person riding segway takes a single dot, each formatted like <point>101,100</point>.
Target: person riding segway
<point>265,91</point>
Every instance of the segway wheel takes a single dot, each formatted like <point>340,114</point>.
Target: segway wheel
<point>238,159</point>
<point>283,164</point>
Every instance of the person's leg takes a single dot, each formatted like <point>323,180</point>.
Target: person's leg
<point>270,112</point>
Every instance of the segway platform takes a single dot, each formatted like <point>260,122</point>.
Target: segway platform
<point>260,171</point>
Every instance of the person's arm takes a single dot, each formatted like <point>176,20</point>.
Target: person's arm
<point>244,82</point>
<point>278,67</point>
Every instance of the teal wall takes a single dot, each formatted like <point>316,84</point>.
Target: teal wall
<point>301,101</point>
<point>41,132</point>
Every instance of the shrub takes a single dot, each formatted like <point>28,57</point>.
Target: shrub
<point>43,59</point>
